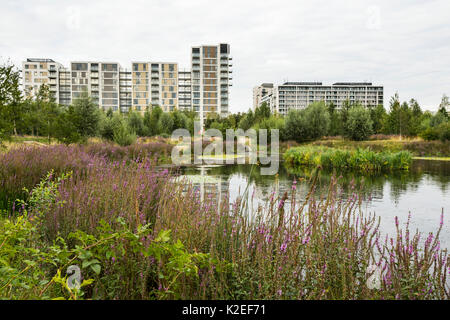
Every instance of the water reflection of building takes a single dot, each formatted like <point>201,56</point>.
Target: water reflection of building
<point>208,188</point>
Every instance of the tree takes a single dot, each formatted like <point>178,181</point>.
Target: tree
<point>47,111</point>
<point>107,124</point>
<point>335,121</point>
<point>86,116</point>
<point>443,106</point>
<point>65,129</point>
<point>151,121</point>
<point>262,112</point>
<point>378,117</point>
<point>393,119</point>
<point>179,120</point>
<point>359,123</point>
<point>123,135</point>
<point>247,120</point>
<point>318,120</point>
<point>136,123</point>
<point>405,119</point>
<point>10,100</point>
<point>165,123</point>
<point>346,106</point>
<point>273,122</point>
<point>416,117</point>
<point>296,126</point>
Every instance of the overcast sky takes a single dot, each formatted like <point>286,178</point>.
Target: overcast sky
<point>403,45</point>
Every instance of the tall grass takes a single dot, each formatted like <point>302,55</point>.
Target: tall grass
<point>320,248</point>
<point>363,160</point>
<point>24,166</point>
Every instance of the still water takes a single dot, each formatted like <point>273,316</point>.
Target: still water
<point>423,191</point>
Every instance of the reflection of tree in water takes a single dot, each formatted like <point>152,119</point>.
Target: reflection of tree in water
<point>368,185</point>
<point>437,171</point>
<point>372,184</point>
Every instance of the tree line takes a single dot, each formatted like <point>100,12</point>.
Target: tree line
<point>42,116</point>
<point>353,121</point>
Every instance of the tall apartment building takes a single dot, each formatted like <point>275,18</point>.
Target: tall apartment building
<point>211,75</point>
<point>36,72</point>
<point>261,91</point>
<point>125,90</point>
<point>185,90</point>
<point>107,83</point>
<point>298,95</point>
<point>204,88</point>
<point>155,83</point>
<point>65,87</point>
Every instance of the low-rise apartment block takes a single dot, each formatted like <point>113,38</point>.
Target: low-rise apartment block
<point>298,95</point>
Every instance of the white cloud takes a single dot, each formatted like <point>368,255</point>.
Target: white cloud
<point>401,44</point>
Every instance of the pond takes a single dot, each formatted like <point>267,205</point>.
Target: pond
<point>423,191</point>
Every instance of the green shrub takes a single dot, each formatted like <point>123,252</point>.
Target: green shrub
<point>444,131</point>
<point>430,133</point>
<point>123,135</point>
<point>359,124</point>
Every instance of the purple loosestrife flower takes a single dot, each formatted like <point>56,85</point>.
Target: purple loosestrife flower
<point>283,247</point>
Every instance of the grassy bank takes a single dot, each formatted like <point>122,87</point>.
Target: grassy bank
<point>137,233</point>
<point>417,147</point>
<point>363,160</point>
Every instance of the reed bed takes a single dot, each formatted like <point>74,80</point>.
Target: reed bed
<point>363,160</point>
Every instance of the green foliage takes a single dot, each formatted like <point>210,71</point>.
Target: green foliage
<point>85,116</point>
<point>65,129</point>
<point>318,119</point>
<point>359,123</point>
<point>136,123</point>
<point>363,160</point>
<point>272,122</point>
<point>11,109</point>
<point>31,267</point>
<point>262,112</point>
<point>153,119</point>
<point>122,134</point>
<point>165,124</point>
<point>307,124</point>
<point>296,126</point>
<point>378,116</point>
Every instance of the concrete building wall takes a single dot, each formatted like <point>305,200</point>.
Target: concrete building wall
<point>298,95</point>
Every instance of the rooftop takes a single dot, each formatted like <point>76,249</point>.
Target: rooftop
<point>302,84</point>
<point>39,60</point>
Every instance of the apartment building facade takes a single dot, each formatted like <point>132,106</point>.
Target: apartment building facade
<point>185,90</point>
<point>204,88</point>
<point>107,83</point>
<point>260,92</point>
<point>211,79</point>
<point>298,95</point>
<point>155,83</point>
<point>36,72</point>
